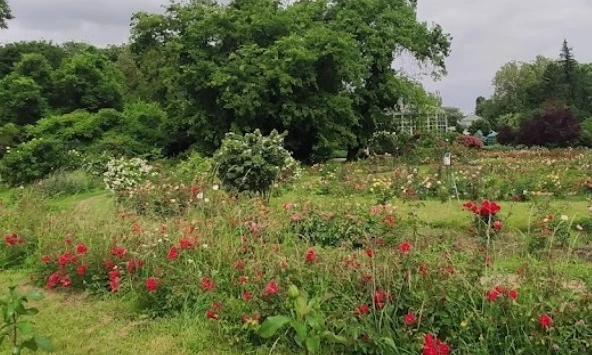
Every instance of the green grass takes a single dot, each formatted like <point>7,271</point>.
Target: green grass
<point>450,214</point>
<point>79,323</point>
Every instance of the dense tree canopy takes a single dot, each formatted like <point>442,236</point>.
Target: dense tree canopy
<point>522,89</point>
<point>320,70</point>
<point>21,100</point>
<point>88,80</point>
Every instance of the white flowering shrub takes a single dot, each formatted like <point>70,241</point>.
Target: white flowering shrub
<point>253,162</point>
<point>291,172</point>
<point>124,174</point>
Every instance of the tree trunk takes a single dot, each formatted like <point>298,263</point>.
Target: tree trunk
<point>352,153</point>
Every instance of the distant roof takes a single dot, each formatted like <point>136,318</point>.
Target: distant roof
<point>468,120</point>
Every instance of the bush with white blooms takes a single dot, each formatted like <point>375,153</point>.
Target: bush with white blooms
<point>124,174</point>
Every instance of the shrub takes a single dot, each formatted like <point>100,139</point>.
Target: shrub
<point>66,183</point>
<point>34,160</point>
<point>384,142</point>
<point>470,141</point>
<point>124,174</point>
<point>555,127</point>
<point>193,165</point>
<point>21,100</point>
<point>251,163</point>
<point>10,136</point>
<point>506,136</point>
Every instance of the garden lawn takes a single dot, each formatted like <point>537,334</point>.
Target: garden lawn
<point>79,323</point>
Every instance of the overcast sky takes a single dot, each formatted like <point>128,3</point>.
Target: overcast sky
<point>487,33</point>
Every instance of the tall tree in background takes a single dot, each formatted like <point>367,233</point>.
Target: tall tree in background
<point>11,53</point>
<point>21,100</point>
<point>38,68</point>
<point>87,80</point>
<point>5,13</point>
<point>569,66</point>
<point>319,69</point>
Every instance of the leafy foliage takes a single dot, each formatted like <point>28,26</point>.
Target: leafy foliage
<point>506,136</point>
<point>21,100</point>
<point>33,160</point>
<point>470,141</point>
<point>556,127</point>
<point>19,332</point>
<point>251,163</point>
<point>88,80</point>
<point>320,70</point>
<point>11,53</point>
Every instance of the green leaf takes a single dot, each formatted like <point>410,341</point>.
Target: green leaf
<point>301,307</point>
<point>44,343</point>
<point>332,337</point>
<point>300,329</point>
<point>271,325</point>
<point>30,344</point>
<point>313,344</point>
<point>8,312</point>
<point>314,322</point>
<point>389,341</point>
<point>25,327</point>
<point>31,311</point>
<point>35,296</point>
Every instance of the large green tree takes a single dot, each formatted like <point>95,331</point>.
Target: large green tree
<point>11,53</point>
<point>522,89</point>
<point>5,14</point>
<point>21,100</point>
<point>322,70</point>
<point>87,80</point>
<point>38,68</point>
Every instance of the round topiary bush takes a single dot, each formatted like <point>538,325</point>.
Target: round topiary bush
<point>251,163</point>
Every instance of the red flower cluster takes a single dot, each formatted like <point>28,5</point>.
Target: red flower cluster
<point>187,243</point>
<point>81,249</point>
<point>13,239</point>
<point>134,265</point>
<point>173,253</point>
<point>410,318</point>
<point>58,277</point>
<point>310,256</point>
<point>497,225</point>
<point>434,346</point>
<point>270,289</point>
<point>361,310</point>
<point>499,291</point>
<point>405,247</point>
<point>545,321</point>
<point>212,312</point>
<point>380,298</point>
<point>247,296</point>
<point>81,271</point>
<point>207,284</point>
<point>486,209</point>
<point>118,251</point>
<point>152,284</point>
<point>114,279</point>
